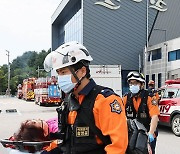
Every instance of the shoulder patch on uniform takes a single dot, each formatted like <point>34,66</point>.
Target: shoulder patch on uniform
<point>107,92</point>
<point>154,102</point>
<point>116,107</point>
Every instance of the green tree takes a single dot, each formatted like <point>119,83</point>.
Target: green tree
<point>26,66</point>
<point>3,78</point>
<point>23,67</point>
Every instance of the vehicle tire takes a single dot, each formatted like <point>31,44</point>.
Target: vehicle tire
<point>175,125</point>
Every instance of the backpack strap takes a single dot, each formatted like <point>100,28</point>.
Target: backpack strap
<point>143,110</point>
<point>144,100</point>
<point>130,110</point>
<point>129,99</point>
<point>89,120</point>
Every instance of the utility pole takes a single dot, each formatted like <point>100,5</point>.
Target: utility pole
<point>8,89</point>
<point>139,63</point>
<point>147,41</point>
<point>39,69</point>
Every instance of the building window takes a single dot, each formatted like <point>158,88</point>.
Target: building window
<point>71,27</point>
<point>153,77</point>
<point>174,55</point>
<point>61,35</point>
<point>178,54</point>
<point>156,54</point>
<point>159,80</point>
<point>147,80</point>
<point>149,56</point>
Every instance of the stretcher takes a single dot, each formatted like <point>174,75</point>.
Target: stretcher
<point>24,146</point>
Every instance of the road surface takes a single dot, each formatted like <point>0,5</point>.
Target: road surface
<point>167,142</point>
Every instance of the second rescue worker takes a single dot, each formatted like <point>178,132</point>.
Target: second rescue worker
<point>152,92</point>
<point>139,105</point>
<point>102,109</point>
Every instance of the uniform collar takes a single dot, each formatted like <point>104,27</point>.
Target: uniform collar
<point>88,88</point>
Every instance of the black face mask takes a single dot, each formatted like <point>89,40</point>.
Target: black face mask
<point>150,89</point>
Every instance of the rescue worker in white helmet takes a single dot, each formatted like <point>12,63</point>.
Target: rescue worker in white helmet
<point>95,116</point>
<point>139,105</point>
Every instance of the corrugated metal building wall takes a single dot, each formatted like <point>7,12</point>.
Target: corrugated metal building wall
<point>116,36</point>
<point>168,23</point>
<point>111,36</point>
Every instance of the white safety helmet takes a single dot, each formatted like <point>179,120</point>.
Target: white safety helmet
<point>66,55</point>
<point>135,76</point>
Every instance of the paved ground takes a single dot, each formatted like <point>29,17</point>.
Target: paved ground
<point>10,122</point>
<point>167,142</point>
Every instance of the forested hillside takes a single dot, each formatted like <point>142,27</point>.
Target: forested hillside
<point>22,67</point>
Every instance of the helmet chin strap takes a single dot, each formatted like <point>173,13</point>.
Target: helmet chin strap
<point>77,79</point>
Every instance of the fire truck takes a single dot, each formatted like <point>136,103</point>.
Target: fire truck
<point>46,91</point>
<point>19,91</point>
<point>28,88</point>
<point>169,105</point>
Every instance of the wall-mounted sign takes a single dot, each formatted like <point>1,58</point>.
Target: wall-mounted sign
<point>109,4</point>
<point>159,5</point>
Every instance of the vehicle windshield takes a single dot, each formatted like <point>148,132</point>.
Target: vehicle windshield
<point>170,93</point>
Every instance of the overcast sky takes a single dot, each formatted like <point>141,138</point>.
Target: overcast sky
<point>25,25</point>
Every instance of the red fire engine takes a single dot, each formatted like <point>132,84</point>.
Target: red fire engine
<point>19,91</point>
<point>46,91</point>
<point>169,105</point>
<point>28,88</point>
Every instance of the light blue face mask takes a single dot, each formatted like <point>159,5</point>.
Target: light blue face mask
<point>65,83</point>
<point>134,88</point>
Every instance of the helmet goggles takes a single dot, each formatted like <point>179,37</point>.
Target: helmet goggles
<point>135,76</point>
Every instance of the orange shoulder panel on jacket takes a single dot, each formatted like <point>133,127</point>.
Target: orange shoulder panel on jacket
<point>109,114</point>
<point>153,108</point>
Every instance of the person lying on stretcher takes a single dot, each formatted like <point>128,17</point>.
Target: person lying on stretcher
<point>33,135</point>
